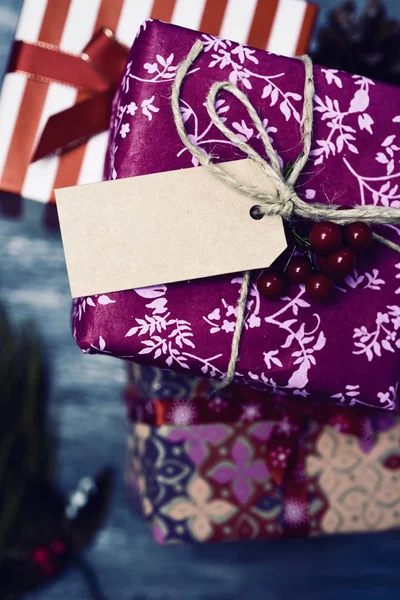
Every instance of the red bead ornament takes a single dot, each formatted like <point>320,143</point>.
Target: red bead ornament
<point>325,237</point>
<point>43,560</point>
<point>40,555</point>
<point>271,285</point>
<point>299,269</point>
<point>358,235</point>
<point>341,262</point>
<point>319,287</point>
<point>58,547</point>
<point>323,265</point>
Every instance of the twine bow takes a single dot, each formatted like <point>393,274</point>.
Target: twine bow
<point>284,201</point>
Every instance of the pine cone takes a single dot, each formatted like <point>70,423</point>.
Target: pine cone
<point>367,43</point>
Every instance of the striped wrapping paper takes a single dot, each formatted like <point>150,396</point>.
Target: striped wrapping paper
<point>281,26</point>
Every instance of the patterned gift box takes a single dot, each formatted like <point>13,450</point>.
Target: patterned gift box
<point>215,470</point>
<point>38,86</point>
<point>346,351</point>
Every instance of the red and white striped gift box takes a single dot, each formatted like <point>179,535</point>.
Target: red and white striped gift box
<point>281,26</point>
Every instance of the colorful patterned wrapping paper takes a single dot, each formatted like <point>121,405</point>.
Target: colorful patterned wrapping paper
<point>346,352</point>
<point>235,467</point>
<point>280,25</point>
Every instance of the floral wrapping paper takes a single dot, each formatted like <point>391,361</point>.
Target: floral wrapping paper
<point>346,352</point>
<point>202,471</point>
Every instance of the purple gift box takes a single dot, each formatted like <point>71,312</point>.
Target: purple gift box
<point>344,352</point>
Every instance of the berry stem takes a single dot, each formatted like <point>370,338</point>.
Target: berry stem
<point>299,238</point>
<point>310,258</point>
<point>290,258</point>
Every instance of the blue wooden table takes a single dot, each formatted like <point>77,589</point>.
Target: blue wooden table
<point>87,406</point>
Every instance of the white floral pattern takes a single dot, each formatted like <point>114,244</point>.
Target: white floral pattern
<point>341,136</point>
<point>285,346</point>
<point>385,336</point>
<point>81,304</point>
<point>161,334</point>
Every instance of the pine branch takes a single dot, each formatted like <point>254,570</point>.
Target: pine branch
<point>26,451</point>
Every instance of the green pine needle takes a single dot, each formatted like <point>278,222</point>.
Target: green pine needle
<point>288,168</point>
<point>26,448</point>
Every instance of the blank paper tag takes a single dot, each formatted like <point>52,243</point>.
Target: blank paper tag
<point>165,227</point>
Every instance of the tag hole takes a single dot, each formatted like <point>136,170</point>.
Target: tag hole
<point>255,212</point>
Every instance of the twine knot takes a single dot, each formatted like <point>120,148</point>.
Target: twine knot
<point>284,202</point>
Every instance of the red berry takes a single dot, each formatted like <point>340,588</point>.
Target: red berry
<point>271,285</point>
<point>40,555</point>
<point>58,546</point>
<point>341,262</point>
<point>358,235</point>
<point>319,287</point>
<point>325,237</point>
<point>299,269</point>
<point>323,265</point>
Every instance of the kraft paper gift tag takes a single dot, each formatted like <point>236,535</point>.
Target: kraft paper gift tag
<point>164,227</point>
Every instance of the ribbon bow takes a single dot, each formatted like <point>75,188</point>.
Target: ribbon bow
<point>285,201</point>
<point>95,72</point>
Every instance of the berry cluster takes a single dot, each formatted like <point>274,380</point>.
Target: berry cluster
<point>329,255</point>
<point>49,559</point>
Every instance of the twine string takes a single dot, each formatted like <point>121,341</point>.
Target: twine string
<point>284,201</point>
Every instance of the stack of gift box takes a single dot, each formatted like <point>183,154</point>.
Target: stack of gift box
<point>305,440</point>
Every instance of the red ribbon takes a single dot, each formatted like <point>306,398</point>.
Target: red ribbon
<point>95,72</point>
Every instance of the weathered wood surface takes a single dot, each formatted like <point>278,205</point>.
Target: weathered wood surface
<point>87,405</point>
